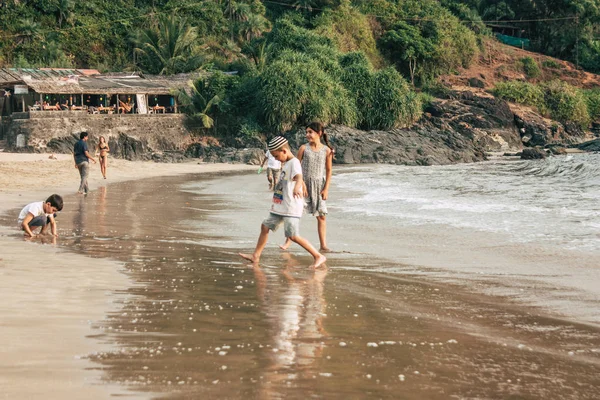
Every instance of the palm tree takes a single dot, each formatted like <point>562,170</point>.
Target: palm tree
<point>64,11</point>
<point>172,44</point>
<point>29,31</point>
<point>259,51</point>
<point>196,104</point>
<point>254,26</point>
<point>304,5</point>
<point>237,12</point>
<point>230,50</point>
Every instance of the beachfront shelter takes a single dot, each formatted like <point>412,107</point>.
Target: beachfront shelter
<point>63,89</point>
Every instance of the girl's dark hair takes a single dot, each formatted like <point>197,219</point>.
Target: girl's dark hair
<point>320,129</point>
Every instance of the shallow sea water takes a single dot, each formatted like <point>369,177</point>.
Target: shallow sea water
<point>200,323</point>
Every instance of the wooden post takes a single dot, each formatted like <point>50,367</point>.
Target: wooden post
<point>147,104</point>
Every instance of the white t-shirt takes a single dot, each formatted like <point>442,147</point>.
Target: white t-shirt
<point>284,202</point>
<point>36,209</point>
<point>273,162</point>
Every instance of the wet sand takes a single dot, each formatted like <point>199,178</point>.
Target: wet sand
<point>391,317</point>
<point>51,296</point>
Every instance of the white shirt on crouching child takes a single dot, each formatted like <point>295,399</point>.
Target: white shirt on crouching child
<point>36,209</point>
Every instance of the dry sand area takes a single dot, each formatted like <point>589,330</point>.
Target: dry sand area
<point>47,309</point>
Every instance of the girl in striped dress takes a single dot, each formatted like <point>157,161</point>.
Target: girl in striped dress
<point>316,158</point>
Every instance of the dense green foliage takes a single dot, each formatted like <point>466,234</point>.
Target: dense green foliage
<point>339,61</point>
<point>520,92</point>
<point>307,78</point>
<point>556,99</point>
<point>423,38</point>
<point>567,29</point>
<point>206,98</point>
<point>592,98</point>
<point>531,67</point>
<point>566,103</point>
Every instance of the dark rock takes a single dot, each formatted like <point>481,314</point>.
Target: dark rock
<point>592,145</point>
<point>169,157</point>
<point>556,149</point>
<point>533,153</point>
<point>574,131</point>
<point>129,148</point>
<point>63,144</point>
<point>216,153</point>
<point>536,130</point>
<point>476,82</point>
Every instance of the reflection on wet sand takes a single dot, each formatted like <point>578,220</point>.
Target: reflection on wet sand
<point>296,320</point>
<point>197,323</point>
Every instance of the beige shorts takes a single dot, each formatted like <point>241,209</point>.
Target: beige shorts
<point>291,225</point>
<point>273,173</point>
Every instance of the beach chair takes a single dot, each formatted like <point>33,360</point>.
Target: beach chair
<point>125,107</point>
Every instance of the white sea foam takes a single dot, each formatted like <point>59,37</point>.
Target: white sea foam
<point>554,201</point>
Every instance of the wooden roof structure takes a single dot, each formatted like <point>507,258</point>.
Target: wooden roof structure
<point>79,81</point>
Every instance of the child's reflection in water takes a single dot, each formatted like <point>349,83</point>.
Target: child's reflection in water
<point>295,307</point>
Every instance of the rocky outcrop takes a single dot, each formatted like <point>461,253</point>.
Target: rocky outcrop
<point>536,130</point>
<point>214,153</point>
<point>533,153</point>
<point>130,136</point>
<point>462,128</point>
<point>591,145</point>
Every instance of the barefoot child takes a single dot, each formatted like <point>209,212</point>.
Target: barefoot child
<point>287,204</point>
<point>40,214</point>
<point>317,160</point>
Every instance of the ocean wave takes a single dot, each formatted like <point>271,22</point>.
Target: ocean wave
<point>554,200</point>
<point>582,168</point>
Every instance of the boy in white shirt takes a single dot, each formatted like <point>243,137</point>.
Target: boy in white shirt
<point>40,214</point>
<point>288,204</point>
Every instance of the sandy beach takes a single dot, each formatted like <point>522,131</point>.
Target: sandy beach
<point>47,308</point>
<point>144,296</point>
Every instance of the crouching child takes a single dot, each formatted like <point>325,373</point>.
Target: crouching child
<point>39,215</point>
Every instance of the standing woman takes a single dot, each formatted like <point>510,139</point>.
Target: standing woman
<point>316,158</point>
<point>102,149</point>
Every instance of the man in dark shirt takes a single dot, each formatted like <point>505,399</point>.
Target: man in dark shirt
<point>82,157</point>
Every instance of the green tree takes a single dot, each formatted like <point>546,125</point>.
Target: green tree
<point>254,26</point>
<point>201,101</point>
<point>169,47</point>
<point>295,89</point>
<point>28,31</point>
<point>407,48</point>
<point>64,11</point>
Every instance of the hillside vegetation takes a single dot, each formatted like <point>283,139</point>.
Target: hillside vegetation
<point>369,64</point>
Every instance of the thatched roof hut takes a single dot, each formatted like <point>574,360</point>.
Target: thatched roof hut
<point>76,81</point>
<point>32,83</point>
